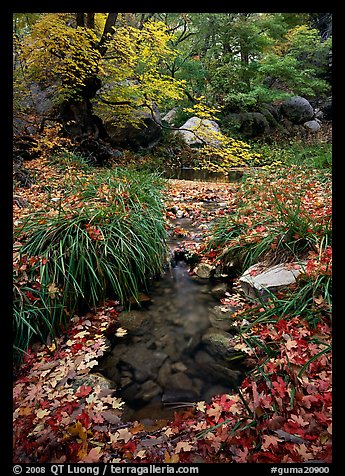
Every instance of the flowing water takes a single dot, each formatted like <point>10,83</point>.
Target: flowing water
<point>170,356</point>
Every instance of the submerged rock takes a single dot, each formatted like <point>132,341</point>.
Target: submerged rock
<point>136,322</point>
<point>219,319</point>
<point>144,362</point>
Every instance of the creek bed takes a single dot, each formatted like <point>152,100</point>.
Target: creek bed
<point>177,348</point>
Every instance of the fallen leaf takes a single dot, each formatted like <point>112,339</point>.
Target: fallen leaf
<point>183,446</point>
<point>121,434</point>
<point>93,456</point>
<point>42,413</point>
<point>170,458</point>
<point>269,440</point>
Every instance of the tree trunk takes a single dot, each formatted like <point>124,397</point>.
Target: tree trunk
<point>77,117</point>
<point>90,21</point>
<point>80,19</point>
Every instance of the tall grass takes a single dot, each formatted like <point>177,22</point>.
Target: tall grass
<point>108,243</point>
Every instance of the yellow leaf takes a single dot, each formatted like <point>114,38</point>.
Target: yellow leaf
<point>78,430</point>
<point>42,413</point>
<point>170,459</point>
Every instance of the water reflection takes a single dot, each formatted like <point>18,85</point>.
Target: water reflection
<point>188,173</point>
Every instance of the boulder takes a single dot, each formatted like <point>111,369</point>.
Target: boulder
<point>297,109</point>
<point>170,116</point>
<point>146,133</point>
<point>313,126</point>
<point>254,124</point>
<point>259,281</point>
<point>197,132</point>
<point>217,343</point>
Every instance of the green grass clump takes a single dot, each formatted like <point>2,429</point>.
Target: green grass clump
<point>286,153</point>
<point>107,241</point>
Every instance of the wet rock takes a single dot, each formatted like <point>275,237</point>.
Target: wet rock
<point>220,319</point>
<point>217,343</point>
<point>136,322</point>
<point>192,343</point>
<point>164,373</point>
<point>130,393</point>
<point>219,290</point>
<point>198,384</point>
<point>148,391</point>
<point>203,358</point>
<point>203,270</point>
<point>145,363</point>
<point>224,374</point>
<point>178,367</point>
<point>111,371</point>
<point>180,380</point>
<point>180,395</point>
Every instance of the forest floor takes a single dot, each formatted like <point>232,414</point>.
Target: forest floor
<point>281,413</point>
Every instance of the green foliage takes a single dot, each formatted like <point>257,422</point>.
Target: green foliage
<point>297,152</point>
<point>108,243</point>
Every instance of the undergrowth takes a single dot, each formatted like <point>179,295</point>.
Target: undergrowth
<point>105,239</point>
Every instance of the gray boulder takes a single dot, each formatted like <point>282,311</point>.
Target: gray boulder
<point>170,116</point>
<point>297,109</point>
<point>313,126</point>
<point>259,281</point>
<point>198,132</point>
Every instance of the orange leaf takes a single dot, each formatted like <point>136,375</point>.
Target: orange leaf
<point>170,459</point>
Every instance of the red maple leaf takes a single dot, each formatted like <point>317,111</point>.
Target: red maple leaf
<point>83,391</point>
<point>280,387</point>
<point>84,419</point>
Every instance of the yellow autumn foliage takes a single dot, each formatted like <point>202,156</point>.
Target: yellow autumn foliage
<point>59,55</point>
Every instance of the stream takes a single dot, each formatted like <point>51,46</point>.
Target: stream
<point>177,348</point>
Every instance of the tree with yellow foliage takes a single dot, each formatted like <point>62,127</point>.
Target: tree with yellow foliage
<point>97,65</point>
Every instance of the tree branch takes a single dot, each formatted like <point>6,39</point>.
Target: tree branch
<point>172,128</point>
